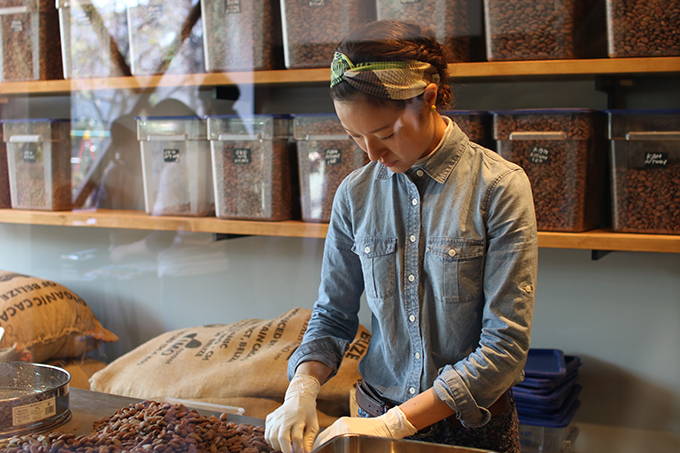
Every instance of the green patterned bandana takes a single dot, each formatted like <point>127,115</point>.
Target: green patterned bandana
<point>396,80</point>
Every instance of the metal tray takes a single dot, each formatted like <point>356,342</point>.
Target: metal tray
<point>33,398</point>
<point>352,443</point>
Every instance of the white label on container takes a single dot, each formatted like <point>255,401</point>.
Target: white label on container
<point>80,17</point>
<point>154,12</point>
<point>17,26</point>
<point>30,413</point>
<point>656,160</point>
<point>410,1</point>
<point>242,156</point>
<point>539,155</point>
<point>29,154</point>
<point>317,2</point>
<point>333,156</point>
<point>170,155</point>
<point>233,6</point>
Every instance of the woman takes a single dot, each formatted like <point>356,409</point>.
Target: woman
<point>441,234</point>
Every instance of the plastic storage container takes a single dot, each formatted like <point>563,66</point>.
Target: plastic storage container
<point>166,37</point>
<point>176,166</point>
<point>563,152</point>
<point>5,199</point>
<point>476,124</point>
<point>544,439</point>
<point>241,35</point>
<point>30,40</point>
<point>536,29</point>
<point>38,158</point>
<point>94,38</point>
<point>252,161</point>
<point>326,154</point>
<point>312,29</point>
<point>452,20</point>
<point>640,28</point>
<point>645,170</point>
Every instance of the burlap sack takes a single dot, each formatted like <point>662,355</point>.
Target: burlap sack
<point>81,370</point>
<point>47,319</point>
<point>241,364</point>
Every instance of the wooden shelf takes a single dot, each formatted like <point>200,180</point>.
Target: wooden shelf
<point>139,220</point>
<point>482,70</point>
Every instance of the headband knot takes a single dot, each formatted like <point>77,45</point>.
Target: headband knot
<point>396,80</point>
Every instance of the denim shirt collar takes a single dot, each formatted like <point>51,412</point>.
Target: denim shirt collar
<point>442,162</point>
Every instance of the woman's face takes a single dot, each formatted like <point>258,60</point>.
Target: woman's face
<point>395,138</point>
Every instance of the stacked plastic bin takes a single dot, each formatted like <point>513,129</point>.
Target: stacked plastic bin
<point>476,124</point>
<point>5,199</point>
<point>547,401</point>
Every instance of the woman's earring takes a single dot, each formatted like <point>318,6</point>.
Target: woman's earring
<point>433,108</point>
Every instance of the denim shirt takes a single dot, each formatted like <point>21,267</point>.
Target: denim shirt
<point>447,255</point>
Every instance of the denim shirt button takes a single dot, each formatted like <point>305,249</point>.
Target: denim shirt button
<point>452,252</point>
<point>412,238</point>
<point>414,202</point>
<point>412,318</point>
<point>367,250</point>
<point>412,391</point>
<point>411,278</point>
<point>419,173</point>
<point>417,355</point>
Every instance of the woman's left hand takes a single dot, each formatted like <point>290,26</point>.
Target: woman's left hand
<point>392,424</point>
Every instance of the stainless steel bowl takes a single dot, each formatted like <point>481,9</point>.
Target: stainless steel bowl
<point>352,443</point>
<point>33,398</point>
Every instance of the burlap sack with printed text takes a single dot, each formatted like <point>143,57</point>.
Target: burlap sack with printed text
<point>242,364</point>
<point>47,319</point>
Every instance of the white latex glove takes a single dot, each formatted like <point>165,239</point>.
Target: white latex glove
<point>292,427</point>
<point>392,424</point>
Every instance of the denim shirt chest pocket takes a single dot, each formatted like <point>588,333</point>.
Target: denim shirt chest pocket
<point>455,267</point>
<point>379,265</point>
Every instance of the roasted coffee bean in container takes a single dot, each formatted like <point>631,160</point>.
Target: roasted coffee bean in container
<point>30,40</point>
<point>454,21</point>
<point>253,160</point>
<point>537,29</point>
<point>312,29</point>
<point>476,124</point>
<point>563,152</point>
<point>645,170</point>
<point>241,35</point>
<point>176,166</point>
<point>642,28</point>
<point>326,154</point>
<point>94,38</point>
<point>39,163</point>
<point>5,198</point>
<point>166,37</point>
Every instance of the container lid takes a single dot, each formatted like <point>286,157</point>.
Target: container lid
<point>318,126</point>
<point>547,124</point>
<point>464,112</point>
<point>178,128</point>
<point>20,6</point>
<point>545,363</point>
<point>644,124</point>
<point>253,127</point>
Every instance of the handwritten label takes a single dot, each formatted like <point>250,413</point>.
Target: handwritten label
<point>241,156</point>
<point>154,12</point>
<point>317,2</point>
<point>17,26</point>
<point>539,155</point>
<point>233,6</point>
<point>80,17</point>
<point>171,155</point>
<point>656,160</point>
<point>30,413</point>
<point>333,156</point>
<point>410,1</point>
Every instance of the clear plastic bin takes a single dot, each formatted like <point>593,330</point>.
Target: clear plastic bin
<point>241,36</point>
<point>450,19</point>
<point>38,159</point>
<point>312,29</point>
<point>563,152</point>
<point>176,166</point>
<point>645,170</point>
<point>94,38</point>
<point>252,166</point>
<point>640,28</point>
<point>5,198</point>
<point>476,124</point>
<point>542,439</point>
<point>536,29</point>
<point>166,37</point>
<point>30,41</point>
<point>326,154</point>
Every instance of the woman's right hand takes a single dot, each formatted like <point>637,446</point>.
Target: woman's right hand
<point>293,427</point>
